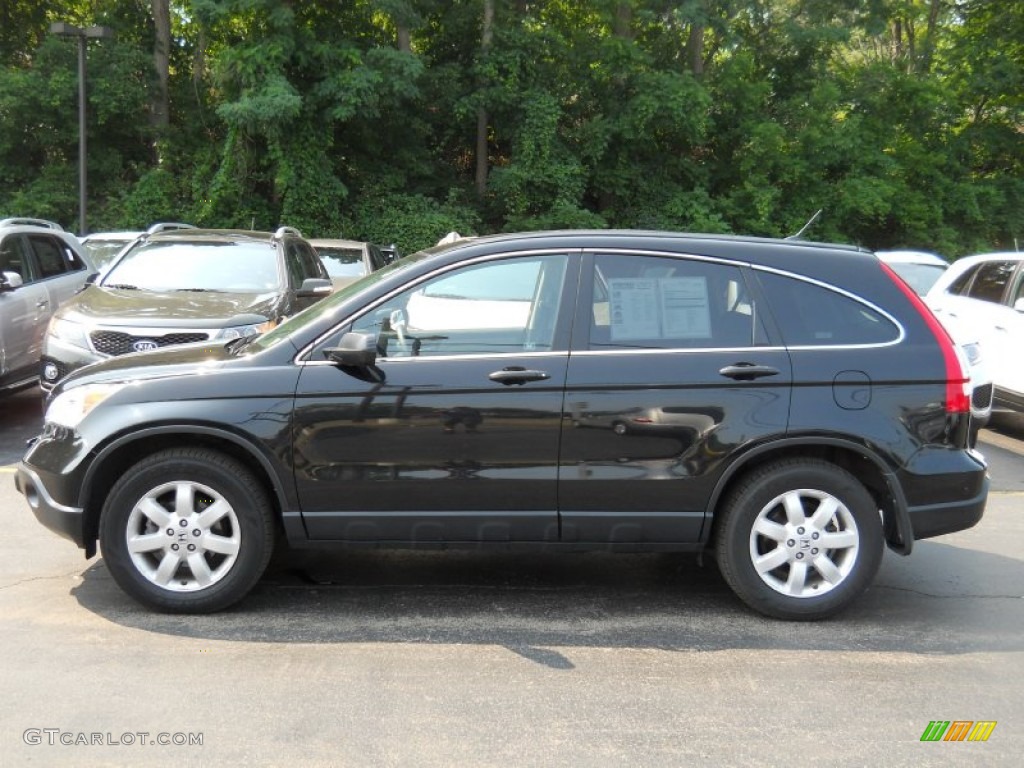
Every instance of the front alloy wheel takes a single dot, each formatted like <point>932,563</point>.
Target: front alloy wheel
<point>183,536</point>
<point>187,530</point>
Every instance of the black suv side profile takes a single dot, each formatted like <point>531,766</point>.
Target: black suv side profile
<point>789,407</point>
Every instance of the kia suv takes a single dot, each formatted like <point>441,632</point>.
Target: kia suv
<point>792,409</point>
<point>183,286</point>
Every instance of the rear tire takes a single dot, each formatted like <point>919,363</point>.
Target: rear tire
<point>799,539</point>
<point>187,530</point>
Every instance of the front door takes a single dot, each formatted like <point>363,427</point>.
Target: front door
<point>24,310</point>
<point>453,435</point>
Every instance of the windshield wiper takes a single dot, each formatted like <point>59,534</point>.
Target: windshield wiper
<point>122,286</point>
<point>199,290</point>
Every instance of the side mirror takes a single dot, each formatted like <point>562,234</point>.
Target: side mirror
<point>314,287</point>
<point>10,280</point>
<point>354,350</point>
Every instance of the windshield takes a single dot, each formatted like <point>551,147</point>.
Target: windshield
<point>328,306</point>
<point>198,266</point>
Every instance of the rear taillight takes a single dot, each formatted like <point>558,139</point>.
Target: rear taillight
<point>958,386</point>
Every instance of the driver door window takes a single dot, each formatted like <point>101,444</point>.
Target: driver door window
<point>509,306</point>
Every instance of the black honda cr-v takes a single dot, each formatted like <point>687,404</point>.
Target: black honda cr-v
<point>789,407</point>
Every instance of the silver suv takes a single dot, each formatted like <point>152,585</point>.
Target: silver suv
<point>41,267</point>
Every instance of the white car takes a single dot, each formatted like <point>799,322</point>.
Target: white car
<point>986,294</point>
<point>921,270</point>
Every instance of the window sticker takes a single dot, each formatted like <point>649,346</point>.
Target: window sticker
<point>634,308</point>
<point>685,312</point>
<point>670,307</point>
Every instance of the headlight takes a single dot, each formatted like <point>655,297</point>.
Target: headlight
<point>69,332</point>
<point>241,331</point>
<point>70,407</point>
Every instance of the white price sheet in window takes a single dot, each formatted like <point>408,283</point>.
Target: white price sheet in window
<point>648,308</point>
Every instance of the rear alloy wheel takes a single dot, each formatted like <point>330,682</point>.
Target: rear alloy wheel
<point>800,539</point>
<point>187,530</point>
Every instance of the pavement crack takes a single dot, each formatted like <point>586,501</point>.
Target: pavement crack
<point>30,579</point>
<point>966,595</point>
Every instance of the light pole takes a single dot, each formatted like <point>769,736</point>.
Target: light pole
<point>64,29</point>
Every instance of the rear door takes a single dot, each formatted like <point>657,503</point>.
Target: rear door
<point>453,435</point>
<point>671,372</point>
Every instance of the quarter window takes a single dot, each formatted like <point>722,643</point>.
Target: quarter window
<point>812,315</point>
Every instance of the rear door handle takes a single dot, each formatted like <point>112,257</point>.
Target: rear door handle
<point>748,371</point>
<point>516,375</point>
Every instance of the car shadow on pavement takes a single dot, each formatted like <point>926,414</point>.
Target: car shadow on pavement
<point>532,603</point>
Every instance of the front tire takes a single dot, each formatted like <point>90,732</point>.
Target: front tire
<point>800,539</point>
<point>187,530</point>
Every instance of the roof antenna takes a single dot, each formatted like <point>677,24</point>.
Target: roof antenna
<point>799,235</point>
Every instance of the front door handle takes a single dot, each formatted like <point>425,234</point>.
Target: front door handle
<point>517,375</point>
<point>748,371</point>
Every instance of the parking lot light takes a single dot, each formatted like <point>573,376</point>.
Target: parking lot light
<point>63,29</point>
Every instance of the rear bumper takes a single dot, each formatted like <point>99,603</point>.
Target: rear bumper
<point>937,519</point>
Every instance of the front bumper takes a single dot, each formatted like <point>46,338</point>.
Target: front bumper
<point>60,358</point>
<point>66,521</point>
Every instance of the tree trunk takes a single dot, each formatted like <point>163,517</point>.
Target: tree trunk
<point>160,106</point>
<point>482,164</point>
<point>695,49</point>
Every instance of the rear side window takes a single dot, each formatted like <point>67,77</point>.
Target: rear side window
<point>54,256</point>
<point>810,315</point>
<point>653,302</point>
<point>990,283</point>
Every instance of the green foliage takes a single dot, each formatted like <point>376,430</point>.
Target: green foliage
<point>413,222</point>
<point>714,115</point>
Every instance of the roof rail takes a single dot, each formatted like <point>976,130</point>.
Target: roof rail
<point>27,222</point>
<point>165,226</point>
<point>282,231</point>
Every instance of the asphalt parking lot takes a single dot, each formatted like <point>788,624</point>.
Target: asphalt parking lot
<point>439,659</point>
